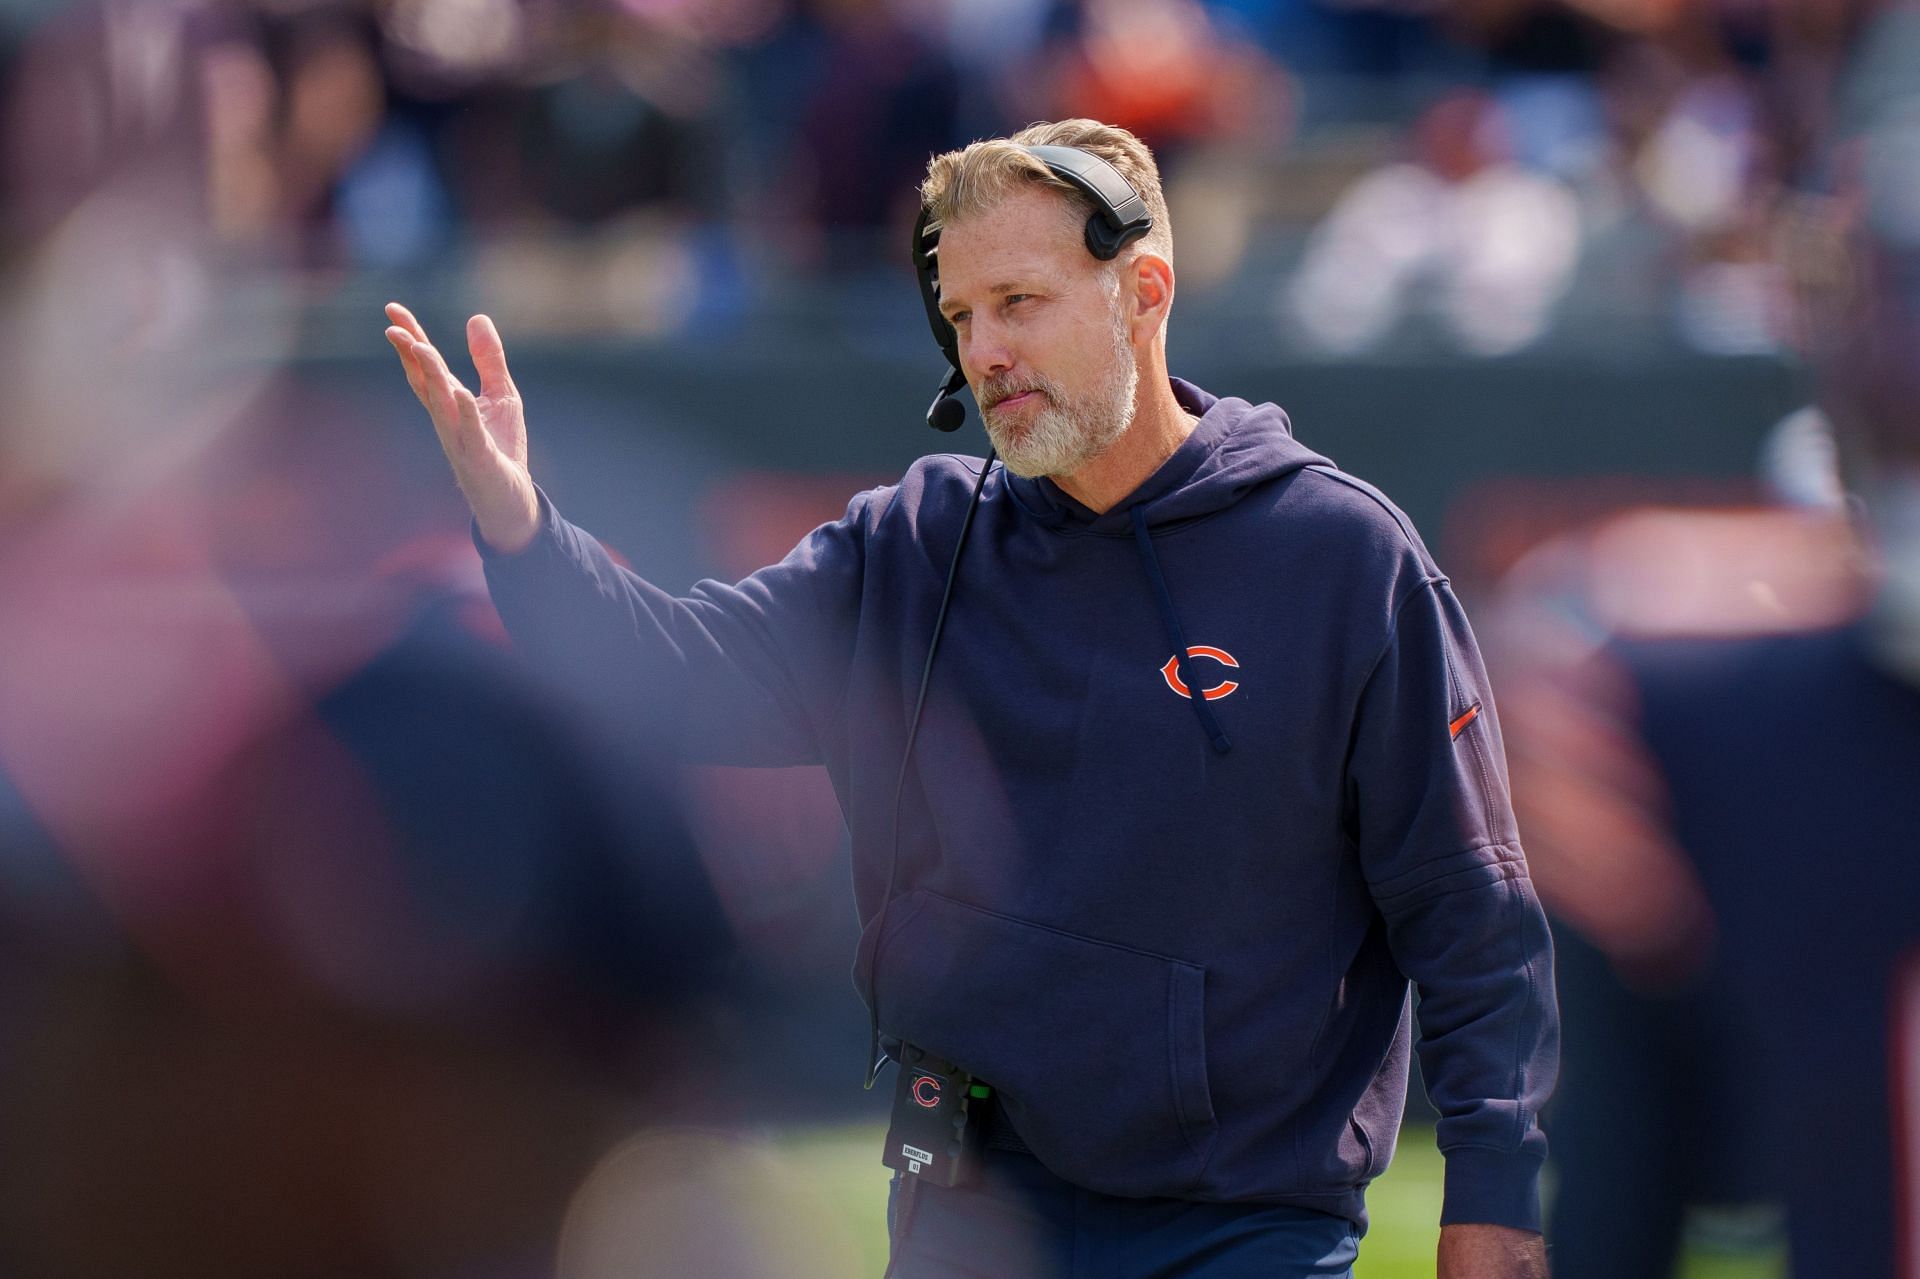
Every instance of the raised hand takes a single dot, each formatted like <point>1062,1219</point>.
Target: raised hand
<point>483,436</point>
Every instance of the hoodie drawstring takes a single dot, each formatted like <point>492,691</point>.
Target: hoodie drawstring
<point>1208,724</point>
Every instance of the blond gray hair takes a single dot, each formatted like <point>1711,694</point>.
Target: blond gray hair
<point>960,184</point>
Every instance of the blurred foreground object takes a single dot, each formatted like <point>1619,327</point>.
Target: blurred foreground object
<point>1726,811</point>
<point>331,943</point>
<point>1660,1112</point>
<point>685,1202</point>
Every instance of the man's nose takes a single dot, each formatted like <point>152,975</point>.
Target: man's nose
<point>987,350</point>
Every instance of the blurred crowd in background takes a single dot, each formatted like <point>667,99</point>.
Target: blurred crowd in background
<point>648,165</point>
<point>334,941</point>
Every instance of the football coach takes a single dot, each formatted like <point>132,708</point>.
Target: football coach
<point>1173,779</point>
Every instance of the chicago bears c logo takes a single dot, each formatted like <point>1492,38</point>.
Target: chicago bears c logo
<point>926,1091</point>
<point>1171,672</point>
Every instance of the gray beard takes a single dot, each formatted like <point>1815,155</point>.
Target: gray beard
<point>1065,434</point>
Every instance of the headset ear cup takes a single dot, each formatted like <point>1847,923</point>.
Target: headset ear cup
<point>1105,243</point>
<point>926,266</point>
<point>1101,241</point>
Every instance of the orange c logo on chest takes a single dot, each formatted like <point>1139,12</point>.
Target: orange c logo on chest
<point>1171,673</point>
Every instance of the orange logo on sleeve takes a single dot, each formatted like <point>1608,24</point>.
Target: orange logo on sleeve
<point>1171,673</point>
<point>1467,717</point>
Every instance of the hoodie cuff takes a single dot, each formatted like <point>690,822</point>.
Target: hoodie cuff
<point>543,532</point>
<point>1492,1188</point>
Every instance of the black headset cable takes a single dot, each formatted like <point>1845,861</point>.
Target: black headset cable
<point>875,1058</point>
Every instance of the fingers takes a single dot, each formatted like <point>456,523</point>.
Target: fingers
<point>403,343</point>
<point>404,318</point>
<point>455,413</point>
<point>489,358</point>
<point>483,344</point>
<point>441,391</point>
<point>440,381</point>
<point>405,330</point>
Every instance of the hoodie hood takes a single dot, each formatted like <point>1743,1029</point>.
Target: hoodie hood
<point>1235,446</point>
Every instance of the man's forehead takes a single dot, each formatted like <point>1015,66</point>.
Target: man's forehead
<point>1029,233</point>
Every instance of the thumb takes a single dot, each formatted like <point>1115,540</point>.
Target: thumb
<point>489,356</point>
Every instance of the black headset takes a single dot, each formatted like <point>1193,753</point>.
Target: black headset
<point>1119,218</point>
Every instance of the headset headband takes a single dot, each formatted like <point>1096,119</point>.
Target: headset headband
<point>1120,216</point>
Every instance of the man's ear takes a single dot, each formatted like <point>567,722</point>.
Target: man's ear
<point>1152,295</point>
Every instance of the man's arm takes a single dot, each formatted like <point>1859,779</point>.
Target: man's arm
<point>1490,1252</point>
<point>1436,838</point>
<point>753,673</point>
<point>744,674</point>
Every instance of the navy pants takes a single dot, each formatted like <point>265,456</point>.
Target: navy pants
<point>1022,1222</point>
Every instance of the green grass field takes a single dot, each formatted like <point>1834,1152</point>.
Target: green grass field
<point>843,1164</point>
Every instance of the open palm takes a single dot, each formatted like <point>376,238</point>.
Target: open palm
<point>483,436</point>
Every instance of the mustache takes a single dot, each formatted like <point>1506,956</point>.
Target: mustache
<point>993,392</point>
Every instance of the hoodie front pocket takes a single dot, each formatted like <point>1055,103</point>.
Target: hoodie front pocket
<point>1096,1051</point>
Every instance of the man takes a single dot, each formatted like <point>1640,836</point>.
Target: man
<point>1167,910</point>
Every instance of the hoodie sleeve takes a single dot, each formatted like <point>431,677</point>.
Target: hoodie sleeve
<point>1427,789</point>
<point>749,674</point>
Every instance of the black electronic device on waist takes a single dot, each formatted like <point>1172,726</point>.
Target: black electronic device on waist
<point>1119,217</point>
<point>938,1125</point>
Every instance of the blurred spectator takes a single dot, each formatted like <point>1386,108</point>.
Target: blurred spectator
<point>1494,244</point>
<point>884,98</point>
<point>1764,776</point>
<point>1546,58</point>
<point>110,90</point>
<point>1661,1120</point>
<point>1160,68</point>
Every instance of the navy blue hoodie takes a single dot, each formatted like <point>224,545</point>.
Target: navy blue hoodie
<point>1178,944</point>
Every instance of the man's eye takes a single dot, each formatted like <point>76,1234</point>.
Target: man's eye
<point>959,317</point>
<point>1017,297</point>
